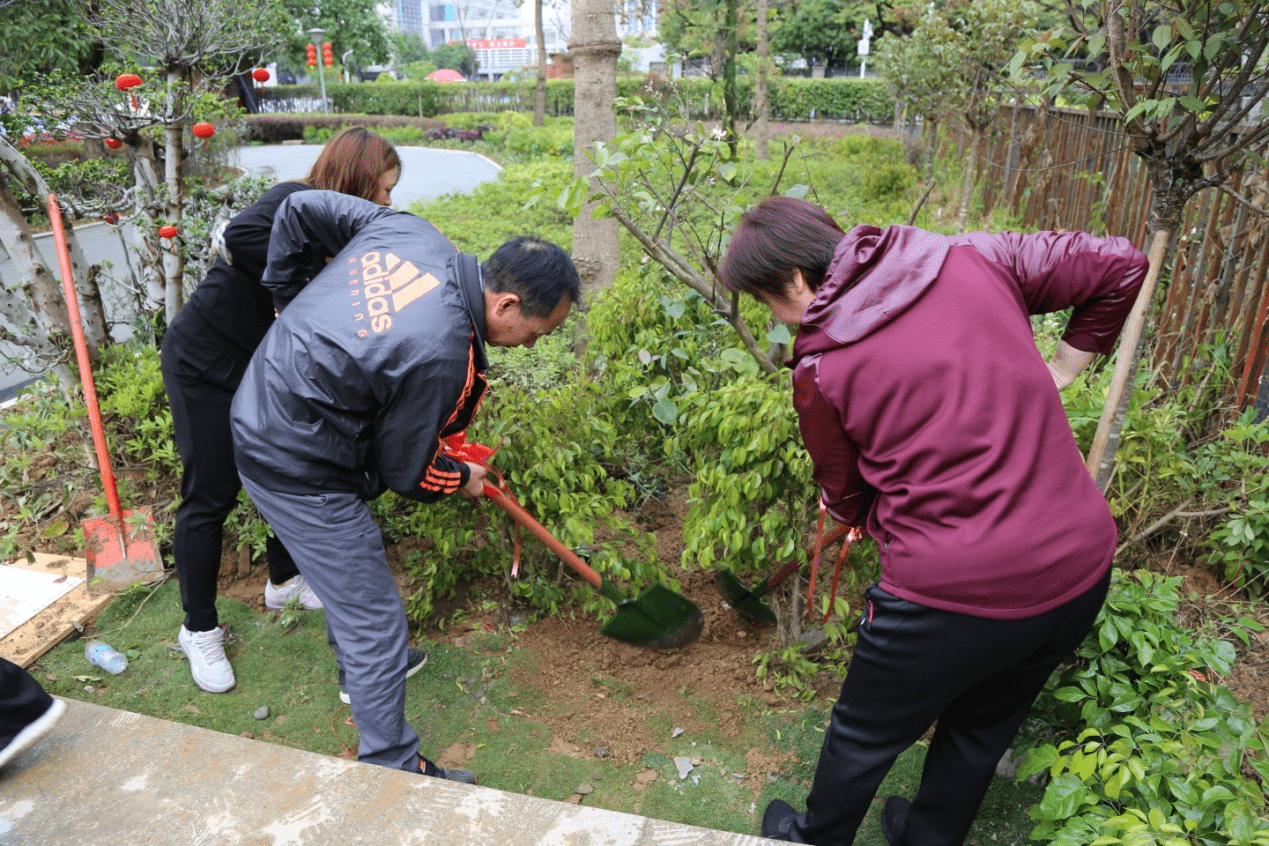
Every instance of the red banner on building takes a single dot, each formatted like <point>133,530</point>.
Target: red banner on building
<point>495,43</point>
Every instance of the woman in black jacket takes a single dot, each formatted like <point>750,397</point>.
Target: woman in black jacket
<point>205,352</point>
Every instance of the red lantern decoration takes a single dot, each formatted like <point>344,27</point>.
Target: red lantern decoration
<point>113,143</point>
<point>328,57</point>
<point>311,55</point>
<point>260,74</point>
<point>124,81</point>
<point>167,231</point>
<point>203,130</point>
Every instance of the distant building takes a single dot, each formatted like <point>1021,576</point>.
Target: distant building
<point>637,18</point>
<point>502,34</point>
<point>409,17</point>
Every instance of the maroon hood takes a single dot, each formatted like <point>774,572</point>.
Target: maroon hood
<point>875,275</point>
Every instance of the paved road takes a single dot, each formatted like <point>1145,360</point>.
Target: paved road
<point>426,173</point>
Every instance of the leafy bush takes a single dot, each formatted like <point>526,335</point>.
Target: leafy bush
<point>554,445</point>
<point>531,143</point>
<point>1147,748</point>
<point>1238,460</point>
<point>68,173</point>
<point>276,128</point>
<point>854,100</point>
<point>479,221</point>
<point>888,182</point>
<point>791,98</point>
<point>132,396</point>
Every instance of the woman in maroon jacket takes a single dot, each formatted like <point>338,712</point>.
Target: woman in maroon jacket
<point>934,422</point>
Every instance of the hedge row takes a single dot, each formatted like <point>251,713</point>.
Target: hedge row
<point>791,98</point>
<point>276,128</point>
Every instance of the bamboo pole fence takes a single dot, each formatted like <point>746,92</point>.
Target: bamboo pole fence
<point>1053,168</point>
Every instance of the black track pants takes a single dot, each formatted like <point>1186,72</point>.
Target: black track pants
<point>912,666</point>
<point>201,379</point>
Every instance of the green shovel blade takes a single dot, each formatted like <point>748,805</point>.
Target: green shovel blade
<point>742,598</point>
<point>657,618</point>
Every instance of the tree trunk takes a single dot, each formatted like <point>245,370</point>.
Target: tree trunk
<point>931,146</point>
<point>595,49</point>
<point>43,291</point>
<point>173,258</point>
<point>539,96</point>
<point>967,180</point>
<point>731,107</point>
<point>1101,455</point>
<point>92,312</point>
<point>34,317</point>
<point>762,128</point>
<point>146,227</point>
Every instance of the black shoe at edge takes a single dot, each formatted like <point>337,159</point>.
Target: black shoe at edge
<point>894,818</point>
<point>777,812</point>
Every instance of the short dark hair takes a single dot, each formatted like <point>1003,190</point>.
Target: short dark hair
<point>353,162</point>
<point>537,271</point>
<point>774,238</point>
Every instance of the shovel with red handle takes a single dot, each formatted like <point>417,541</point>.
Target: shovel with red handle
<point>120,549</point>
<point>749,601</point>
<point>658,618</point>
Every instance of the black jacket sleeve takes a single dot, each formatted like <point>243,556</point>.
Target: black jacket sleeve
<point>310,228</point>
<point>247,234</point>
<point>408,432</point>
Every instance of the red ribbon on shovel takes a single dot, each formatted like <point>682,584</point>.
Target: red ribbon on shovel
<point>842,557</point>
<point>459,448</point>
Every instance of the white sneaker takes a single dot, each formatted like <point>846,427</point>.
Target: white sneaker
<point>207,662</point>
<point>278,596</point>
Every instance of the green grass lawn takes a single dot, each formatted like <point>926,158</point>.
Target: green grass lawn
<point>282,661</point>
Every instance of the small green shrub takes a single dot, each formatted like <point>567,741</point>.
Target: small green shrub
<point>1148,749</point>
<point>538,143</point>
<point>131,394</point>
<point>479,221</point>
<point>888,183</point>
<point>1238,461</point>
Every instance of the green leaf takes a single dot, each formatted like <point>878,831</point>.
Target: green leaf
<point>665,411</point>
<point>1069,694</point>
<point>1063,797</point>
<point>780,334</point>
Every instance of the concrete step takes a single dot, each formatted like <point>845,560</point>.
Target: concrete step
<point>103,777</point>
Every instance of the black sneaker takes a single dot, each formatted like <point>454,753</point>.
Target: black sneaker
<point>894,818</point>
<point>427,768</point>
<point>414,661</point>
<point>32,731</point>
<point>772,818</point>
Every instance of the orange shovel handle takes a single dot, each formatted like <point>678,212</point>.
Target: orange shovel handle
<point>81,356</point>
<point>524,518</point>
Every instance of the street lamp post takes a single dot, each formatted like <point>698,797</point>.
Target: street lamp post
<point>316,33</point>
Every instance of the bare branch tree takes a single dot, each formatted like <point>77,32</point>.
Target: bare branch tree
<point>198,45</point>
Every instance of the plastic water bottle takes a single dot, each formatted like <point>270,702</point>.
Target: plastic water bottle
<point>105,656</point>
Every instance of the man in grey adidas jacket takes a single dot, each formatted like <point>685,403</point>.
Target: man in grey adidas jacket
<point>377,354</point>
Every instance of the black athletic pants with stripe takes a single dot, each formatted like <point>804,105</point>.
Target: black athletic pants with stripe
<point>913,666</point>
